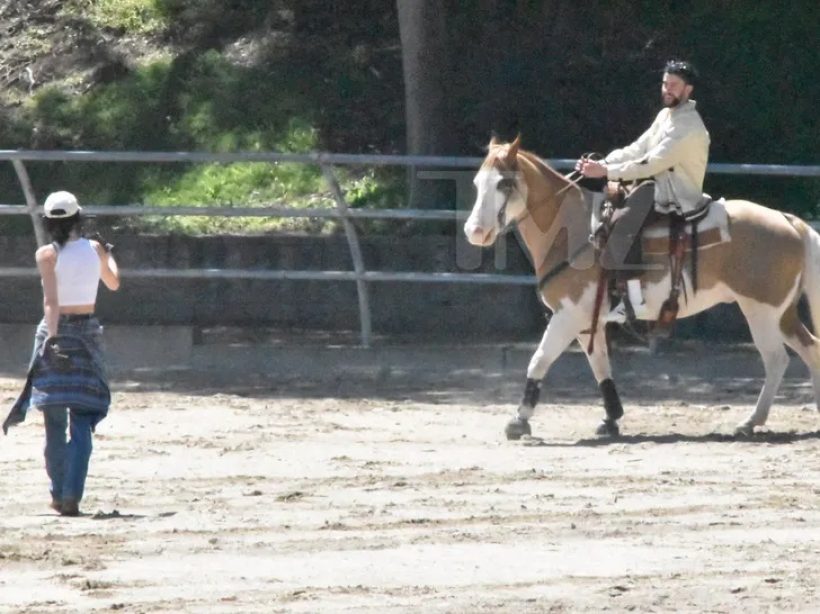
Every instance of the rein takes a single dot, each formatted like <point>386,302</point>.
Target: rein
<point>559,268</point>
<point>509,186</point>
<point>571,182</point>
<point>505,227</point>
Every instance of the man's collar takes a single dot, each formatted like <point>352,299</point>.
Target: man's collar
<point>689,105</point>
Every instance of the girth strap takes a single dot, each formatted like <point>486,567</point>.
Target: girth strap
<point>560,267</point>
<point>552,273</point>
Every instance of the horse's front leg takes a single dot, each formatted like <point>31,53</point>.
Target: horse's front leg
<point>564,326</point>
<point>599,362</point>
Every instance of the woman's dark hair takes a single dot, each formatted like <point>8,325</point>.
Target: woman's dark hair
<point>60,227</point>
<point>682,69</point>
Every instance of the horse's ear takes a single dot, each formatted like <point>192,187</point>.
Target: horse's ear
<point>493,141</point>
<point>513,151</point>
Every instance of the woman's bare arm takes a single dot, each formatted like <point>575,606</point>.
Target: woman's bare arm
<point>109,271</point>
<point>46,258</point>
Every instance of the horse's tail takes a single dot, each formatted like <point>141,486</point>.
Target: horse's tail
<point>811,274</point>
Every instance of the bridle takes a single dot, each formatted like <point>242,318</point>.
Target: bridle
<point>507,186</point>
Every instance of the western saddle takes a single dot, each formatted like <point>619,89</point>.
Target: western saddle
<point>617,268</point>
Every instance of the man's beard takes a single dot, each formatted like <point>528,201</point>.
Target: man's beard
<point>675,101</point>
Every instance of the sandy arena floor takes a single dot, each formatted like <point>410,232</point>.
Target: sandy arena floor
<point>396,492</point>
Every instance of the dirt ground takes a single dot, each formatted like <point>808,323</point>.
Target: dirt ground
<point>394,491</point>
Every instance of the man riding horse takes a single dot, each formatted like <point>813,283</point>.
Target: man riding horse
<point>674,152</point>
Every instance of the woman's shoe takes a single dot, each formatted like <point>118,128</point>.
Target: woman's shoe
<point>70,507</point>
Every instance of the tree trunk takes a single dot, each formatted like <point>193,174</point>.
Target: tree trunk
<point>425,64</point>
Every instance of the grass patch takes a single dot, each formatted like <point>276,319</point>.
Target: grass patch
<point>256,184</point>
<point>238,185</point>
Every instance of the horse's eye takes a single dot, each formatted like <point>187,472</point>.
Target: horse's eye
<point>506,184</point>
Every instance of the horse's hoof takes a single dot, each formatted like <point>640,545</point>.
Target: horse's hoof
<point>517,428</point>
<point>608,428</point>
<point>744,430</point>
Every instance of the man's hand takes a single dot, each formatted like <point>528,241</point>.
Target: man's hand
<point>591,168</point>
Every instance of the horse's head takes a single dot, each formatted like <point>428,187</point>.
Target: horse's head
<point>501,194</point>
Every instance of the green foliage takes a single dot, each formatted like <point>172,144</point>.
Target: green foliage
<point>132,16</point>
<point>229,90</point>
<point>307,75</point>
<point>201,102</point>
<point>203,106</point>
<point>377,189</point>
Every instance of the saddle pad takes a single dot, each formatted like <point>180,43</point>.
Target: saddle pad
<point>712,230</point>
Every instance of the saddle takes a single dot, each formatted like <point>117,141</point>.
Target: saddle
<point>648,231</point>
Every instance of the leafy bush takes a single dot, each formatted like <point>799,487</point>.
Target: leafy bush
<point>132,16</point>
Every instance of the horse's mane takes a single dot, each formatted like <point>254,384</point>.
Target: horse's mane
<point>546,170</point>
<point>499,157</point>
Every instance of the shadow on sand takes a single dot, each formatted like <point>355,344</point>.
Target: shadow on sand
<point>770,437</point>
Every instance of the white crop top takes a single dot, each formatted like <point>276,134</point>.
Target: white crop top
<point>78,273</point>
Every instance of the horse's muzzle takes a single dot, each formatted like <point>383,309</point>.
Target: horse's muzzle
<point>480,237</point>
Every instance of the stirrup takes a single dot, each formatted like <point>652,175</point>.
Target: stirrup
<point>617,314</point>
<point>624,311</point>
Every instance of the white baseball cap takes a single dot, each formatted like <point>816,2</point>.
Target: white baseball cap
<point>61,204</point>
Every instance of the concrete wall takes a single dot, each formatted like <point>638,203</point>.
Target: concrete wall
<point>468,311</point>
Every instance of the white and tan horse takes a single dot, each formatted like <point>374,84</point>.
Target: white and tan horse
<point>771,259</point>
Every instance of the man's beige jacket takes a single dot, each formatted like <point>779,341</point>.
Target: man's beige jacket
<point>674,151</point>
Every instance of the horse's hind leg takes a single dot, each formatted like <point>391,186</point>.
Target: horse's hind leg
<point>599,362</point>
<point>805,345</point>
<point>764,324</point>
<point>562,329</point>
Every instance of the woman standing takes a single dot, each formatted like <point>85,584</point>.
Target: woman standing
<point>70,269</point>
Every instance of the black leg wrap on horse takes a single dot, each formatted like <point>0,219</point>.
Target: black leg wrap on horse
<point>612,402</point>
<point>532,391</point>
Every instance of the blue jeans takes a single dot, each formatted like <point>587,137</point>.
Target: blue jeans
<point>67,463</point>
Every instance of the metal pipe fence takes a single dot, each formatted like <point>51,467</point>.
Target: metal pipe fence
<point>325,161</point>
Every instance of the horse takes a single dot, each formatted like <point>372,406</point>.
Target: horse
<point>770,261</point>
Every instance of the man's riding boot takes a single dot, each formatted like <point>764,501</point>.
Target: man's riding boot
<point>601,220</point>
